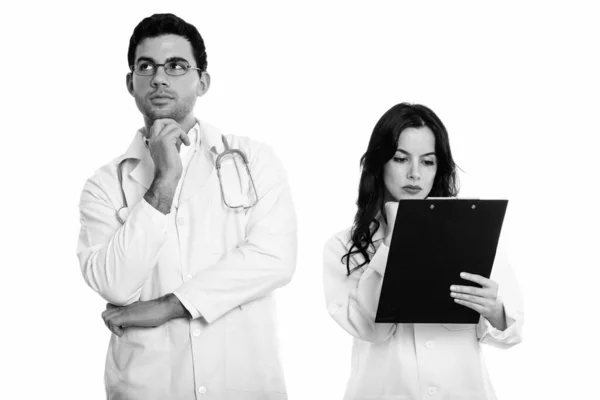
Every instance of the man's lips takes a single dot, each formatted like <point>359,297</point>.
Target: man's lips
<point>161,96</point>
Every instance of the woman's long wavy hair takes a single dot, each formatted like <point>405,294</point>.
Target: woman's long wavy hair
<point>382,147</point>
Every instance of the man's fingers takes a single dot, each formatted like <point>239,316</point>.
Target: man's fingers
<point>114,319</point>
<point>110,313</point>
<point>119,331</point>
<point>114,324</point>
<point>175,131</point>
<point>185,139</point>
<point>485,282</point>
<point>116,329</point>
<point>159,124</point>
<point>112,327</point>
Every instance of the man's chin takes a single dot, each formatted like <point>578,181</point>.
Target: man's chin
<point>155,114</point>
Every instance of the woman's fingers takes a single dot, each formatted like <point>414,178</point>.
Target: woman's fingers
<point>474,306</point>
<point>470,290</point>
<point>483,301</point>
<point>485,282</point>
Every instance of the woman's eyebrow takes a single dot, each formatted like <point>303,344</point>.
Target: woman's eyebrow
<point>431,153</point>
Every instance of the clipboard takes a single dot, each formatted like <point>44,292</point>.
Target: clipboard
<point>433,241</point>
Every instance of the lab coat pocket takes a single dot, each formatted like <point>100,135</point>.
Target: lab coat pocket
<point>459,327</point>
<point>137,351</point>
<point>251,354</point>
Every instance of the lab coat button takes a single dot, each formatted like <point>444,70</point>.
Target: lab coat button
<point>429,344</point>
<point>432,390</point>
<point>202,390</point>
<point>196,332</point>
<point>180,221</point>
<point>188,277</point>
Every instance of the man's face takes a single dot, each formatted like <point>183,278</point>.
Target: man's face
<point>161,95</point>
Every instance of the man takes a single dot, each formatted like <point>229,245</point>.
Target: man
<point>187,256</point>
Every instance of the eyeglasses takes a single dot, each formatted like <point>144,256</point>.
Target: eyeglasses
<point>172,68</point>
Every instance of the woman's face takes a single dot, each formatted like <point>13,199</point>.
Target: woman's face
<point>409,174</point>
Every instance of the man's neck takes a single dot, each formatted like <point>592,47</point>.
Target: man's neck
<point>186,124</point>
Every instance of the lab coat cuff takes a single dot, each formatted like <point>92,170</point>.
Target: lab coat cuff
<point>190,292</point>
<point>188,306</point>
<point>487,332</point>
<point>156,218</point>
<point>379,260</point>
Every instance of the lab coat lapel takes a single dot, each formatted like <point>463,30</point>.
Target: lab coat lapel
<point>202,166</point>
<point>143,172</point>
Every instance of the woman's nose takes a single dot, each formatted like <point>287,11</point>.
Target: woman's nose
<point>414,172</point>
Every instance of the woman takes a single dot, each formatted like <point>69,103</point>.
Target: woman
<point>409,157</point>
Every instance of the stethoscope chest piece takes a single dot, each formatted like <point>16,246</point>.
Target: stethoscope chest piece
<point>122,214</point>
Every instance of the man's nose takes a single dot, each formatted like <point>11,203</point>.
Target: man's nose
<point>160,78</point>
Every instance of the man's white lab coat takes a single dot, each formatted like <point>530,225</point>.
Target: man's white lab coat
<point>412,361</point>
<point>223,264</point>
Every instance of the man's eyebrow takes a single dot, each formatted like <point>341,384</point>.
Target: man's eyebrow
<point>170,59</point>
<point>146,59</point>
<point>175,59</point>
<point>432,153</point>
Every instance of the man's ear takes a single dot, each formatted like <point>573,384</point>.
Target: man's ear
<point>129,82</point>
<point>204,84</point>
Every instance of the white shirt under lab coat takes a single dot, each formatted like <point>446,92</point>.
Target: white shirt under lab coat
<point>223,264</point>
<point>412,361</point>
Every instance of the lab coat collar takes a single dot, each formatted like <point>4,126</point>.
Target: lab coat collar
<point>143,172</point>
<point>202,168</point>
<point>210,141</point>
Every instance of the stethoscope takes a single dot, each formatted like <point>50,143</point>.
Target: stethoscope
<point>227,154</point>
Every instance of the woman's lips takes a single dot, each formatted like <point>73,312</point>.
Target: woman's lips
<point>412,189</point>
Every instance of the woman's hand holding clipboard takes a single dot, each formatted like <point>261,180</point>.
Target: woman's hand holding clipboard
<point>483,300</point>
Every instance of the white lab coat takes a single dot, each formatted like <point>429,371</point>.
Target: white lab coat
<point>223,263</point>
<point>412,361</point>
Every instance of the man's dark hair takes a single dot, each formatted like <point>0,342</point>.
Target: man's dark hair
<point>165,24</point>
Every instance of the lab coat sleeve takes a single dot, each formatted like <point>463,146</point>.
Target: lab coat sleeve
<point>116,260</point>
<point>352,300</point>
<point>264,261</point>
<point>511,297</point>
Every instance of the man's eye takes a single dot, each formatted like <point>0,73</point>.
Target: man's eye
<point>145,66</point>
<point>176,66</point>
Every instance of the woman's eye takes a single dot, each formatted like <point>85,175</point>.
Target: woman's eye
<point>429,162</point>
<point>400,159</point>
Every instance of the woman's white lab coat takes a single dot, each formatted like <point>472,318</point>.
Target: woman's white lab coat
<point>412,361</point>
<point>223,264</point>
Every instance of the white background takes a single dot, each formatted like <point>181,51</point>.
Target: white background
<point>517,86</point>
